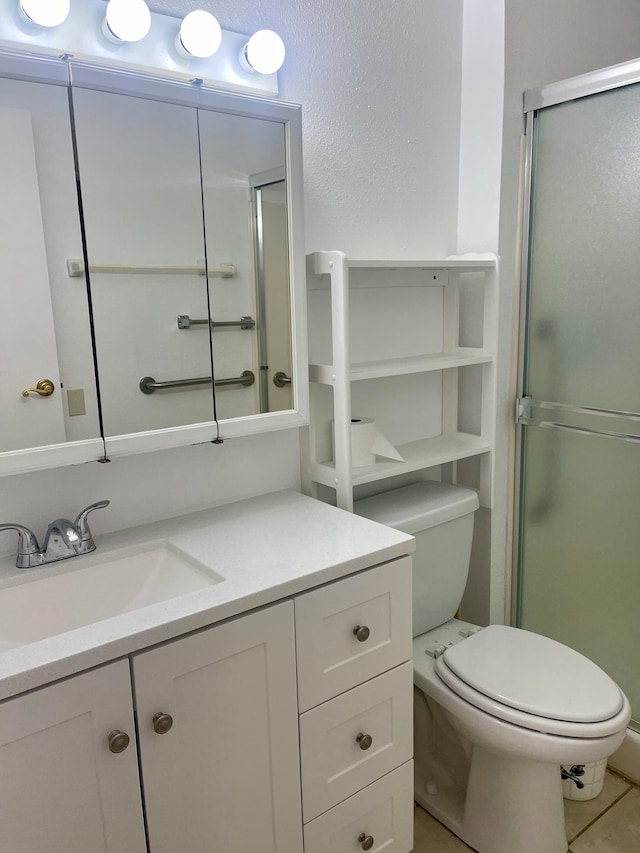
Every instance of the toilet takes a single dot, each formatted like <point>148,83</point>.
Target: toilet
<point>497,710</point>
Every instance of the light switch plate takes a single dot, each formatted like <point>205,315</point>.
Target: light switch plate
<point>75,402</point>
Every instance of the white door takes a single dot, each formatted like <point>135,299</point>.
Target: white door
<point>27,344</point>
<point>61,788</point>
<point>224,777</point>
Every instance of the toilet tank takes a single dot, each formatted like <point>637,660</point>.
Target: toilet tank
<point>440,517</point>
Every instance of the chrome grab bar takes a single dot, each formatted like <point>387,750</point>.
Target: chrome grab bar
<point>185,322</point>
<point>623,436</point>
<point>148,384</point>
<point>280,379</point>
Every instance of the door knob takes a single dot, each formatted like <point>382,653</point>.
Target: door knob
<point>44,388</point>
<point>280,379</point>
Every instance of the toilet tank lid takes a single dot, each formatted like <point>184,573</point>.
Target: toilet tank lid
<point>414,508</point>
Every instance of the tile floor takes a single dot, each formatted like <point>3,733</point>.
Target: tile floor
<point>608,824</point>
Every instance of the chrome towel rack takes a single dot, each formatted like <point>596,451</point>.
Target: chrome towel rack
<point>185,322</point>
<point>148,384</point>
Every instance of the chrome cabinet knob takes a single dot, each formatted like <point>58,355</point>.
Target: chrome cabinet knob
<point>366,841</point>
<point>118,741</point>
<point>162,723</point>
<point>364,741</point>
<point>361,633</point>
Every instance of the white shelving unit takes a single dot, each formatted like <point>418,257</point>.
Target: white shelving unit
<point>417,334</point>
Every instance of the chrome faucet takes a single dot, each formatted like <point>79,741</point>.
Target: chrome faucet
<point>62,540</point>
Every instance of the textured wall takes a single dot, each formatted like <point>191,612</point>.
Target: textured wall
<point>380,89</point>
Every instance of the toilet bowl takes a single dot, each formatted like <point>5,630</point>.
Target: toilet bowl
<point>497,710</point>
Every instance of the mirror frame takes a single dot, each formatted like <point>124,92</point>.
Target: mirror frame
<point>65,72</point>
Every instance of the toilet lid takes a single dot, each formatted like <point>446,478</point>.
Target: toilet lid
<point>533,674</point>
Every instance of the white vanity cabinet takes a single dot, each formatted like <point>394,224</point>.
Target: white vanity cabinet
<point>213,709</point>
<point>355,691</point>
<point>267,713</point>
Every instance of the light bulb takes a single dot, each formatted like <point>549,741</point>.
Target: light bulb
<point>264,52</point>
<point>126,20</point>
<point>200,35</point>
<point>45,13</point>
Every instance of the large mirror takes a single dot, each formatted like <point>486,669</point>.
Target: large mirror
<point>138,162</point>
<point>174,259</point>
<point>47,375</point>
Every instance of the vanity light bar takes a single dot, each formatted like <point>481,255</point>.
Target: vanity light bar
<point>194,48</point>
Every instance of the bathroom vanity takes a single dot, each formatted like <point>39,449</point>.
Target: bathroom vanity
<point>267,710</point>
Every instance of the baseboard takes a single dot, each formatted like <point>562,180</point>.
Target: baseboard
<point>626,760</point>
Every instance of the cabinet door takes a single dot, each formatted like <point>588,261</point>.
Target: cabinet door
<point>61,789</point>
<point>225,777</point>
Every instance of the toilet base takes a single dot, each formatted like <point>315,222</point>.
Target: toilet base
<point>509,806</point>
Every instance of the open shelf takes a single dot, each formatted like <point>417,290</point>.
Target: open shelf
<point>450,402</point>
<point>325,373</point>
<point>469,264</point>
<point>426,453</point>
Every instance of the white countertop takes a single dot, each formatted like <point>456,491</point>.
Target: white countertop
<point>265,548</point>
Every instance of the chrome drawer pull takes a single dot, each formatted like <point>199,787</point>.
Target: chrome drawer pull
<point>366,841</point>
<point>361,633</point>
<point>365,741</point>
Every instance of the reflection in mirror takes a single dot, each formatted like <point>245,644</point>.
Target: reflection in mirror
<point>46,331</point>
<point>140,178</point>
<point>272,284</point>
<point>243,167</point>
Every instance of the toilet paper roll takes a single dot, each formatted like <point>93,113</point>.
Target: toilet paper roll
<point>367,442</point>
<point>363,435</point>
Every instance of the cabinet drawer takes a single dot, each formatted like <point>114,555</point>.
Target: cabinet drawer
<point>352,740</point>
<point>382,811</point>
<point>331,658</point>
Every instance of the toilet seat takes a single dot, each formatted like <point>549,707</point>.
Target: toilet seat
<point>532,681</point>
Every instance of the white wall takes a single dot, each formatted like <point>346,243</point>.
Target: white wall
<point>546,41</point>
<point>380,89</point>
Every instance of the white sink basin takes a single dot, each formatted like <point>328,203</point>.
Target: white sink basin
<point>105,587</point>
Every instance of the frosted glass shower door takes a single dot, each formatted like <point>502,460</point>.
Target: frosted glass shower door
<point>579,560</point>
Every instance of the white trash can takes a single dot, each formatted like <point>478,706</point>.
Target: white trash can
<point>583,781</point>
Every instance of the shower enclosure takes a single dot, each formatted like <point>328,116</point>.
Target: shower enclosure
<point>578,543</point>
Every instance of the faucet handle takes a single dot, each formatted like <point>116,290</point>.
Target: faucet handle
<point>81,523</point>
<point>28,553</point>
